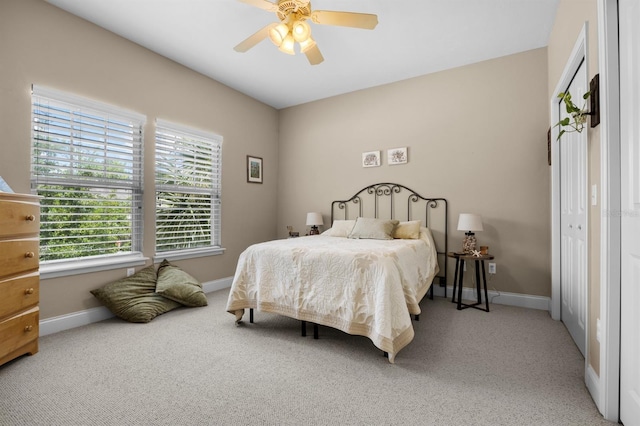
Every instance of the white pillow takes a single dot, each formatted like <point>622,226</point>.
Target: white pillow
<point>341,228</point>
<point>374,229</point>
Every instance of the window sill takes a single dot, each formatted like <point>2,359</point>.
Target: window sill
<point>188,254</point>
<point>76,267</point>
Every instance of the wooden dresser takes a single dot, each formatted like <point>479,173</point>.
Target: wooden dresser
<point>19,277</point>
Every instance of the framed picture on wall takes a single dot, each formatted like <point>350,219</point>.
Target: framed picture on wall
<point>254,169</point>
<point>371,159</point>
<point>397,156</point>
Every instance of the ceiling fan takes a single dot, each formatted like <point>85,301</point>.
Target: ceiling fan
<point>293,27</point>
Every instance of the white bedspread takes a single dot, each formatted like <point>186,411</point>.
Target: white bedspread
<point>362,287</point>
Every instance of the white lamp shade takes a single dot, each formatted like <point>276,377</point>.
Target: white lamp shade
<point>314,219</point>
<point>301,31</point>
<point>287,45</point>
<point>278,34</point>
<point>469,222</point>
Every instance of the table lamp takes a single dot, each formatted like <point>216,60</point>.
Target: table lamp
<point>314,220</point>
<point>470,223</point>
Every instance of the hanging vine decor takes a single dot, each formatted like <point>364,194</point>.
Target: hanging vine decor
<point>577,118</point>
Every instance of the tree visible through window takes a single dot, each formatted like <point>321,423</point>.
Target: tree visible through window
<point>187,188</point>
<point>87,167</point>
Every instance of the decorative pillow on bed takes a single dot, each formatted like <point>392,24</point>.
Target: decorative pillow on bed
<point>175,284</point>
<point>408,230</point>
<point>374,229</point>
<point>134,298</point>
<point>341,228</point>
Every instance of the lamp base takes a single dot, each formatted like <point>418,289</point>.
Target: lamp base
<point>469,243</point>
<point>314,231</point>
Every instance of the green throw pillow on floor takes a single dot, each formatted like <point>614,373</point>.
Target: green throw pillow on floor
<point>134,298</point>
<point>175,284</point>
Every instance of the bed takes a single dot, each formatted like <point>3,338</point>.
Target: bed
<point>364,286</point>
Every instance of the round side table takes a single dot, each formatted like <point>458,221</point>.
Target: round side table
<point>461,258</point>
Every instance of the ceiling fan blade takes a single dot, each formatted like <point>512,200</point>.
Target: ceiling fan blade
<point>262,4</point>
<point>254,39</point>
<point>345,19</point>
<point>314,56</point>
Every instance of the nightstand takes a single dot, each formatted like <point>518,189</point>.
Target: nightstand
<point>461,258</point>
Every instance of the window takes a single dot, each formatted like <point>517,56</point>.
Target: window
<point>188,185</point>
<point>87,167</point>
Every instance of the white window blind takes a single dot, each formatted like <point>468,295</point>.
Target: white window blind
<point>188,186</point>
<point>87,167</point>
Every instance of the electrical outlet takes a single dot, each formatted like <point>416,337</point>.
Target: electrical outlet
<point>131,271</point>
<point>492,268</point>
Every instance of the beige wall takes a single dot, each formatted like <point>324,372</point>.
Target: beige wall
<point>477,135</point>
<point>44,45</point>
<point>570,18</point>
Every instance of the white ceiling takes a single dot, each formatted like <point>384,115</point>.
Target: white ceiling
<point>413,38</point>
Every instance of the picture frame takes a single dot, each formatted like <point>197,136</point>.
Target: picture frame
<point>397,156</point>
<point>254,169</point>
<point>371,159</point>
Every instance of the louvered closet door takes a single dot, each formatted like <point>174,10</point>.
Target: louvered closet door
<point>573,221</point>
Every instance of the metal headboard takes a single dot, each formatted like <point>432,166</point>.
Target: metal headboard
<point>395,201</point>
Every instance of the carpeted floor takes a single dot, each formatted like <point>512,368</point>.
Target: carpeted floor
<point>193,366</point>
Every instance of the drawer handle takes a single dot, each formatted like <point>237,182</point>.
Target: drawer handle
<point>28,328</point>
<point>29,254</point>
<point>28,290</point>
<point>30,218</point>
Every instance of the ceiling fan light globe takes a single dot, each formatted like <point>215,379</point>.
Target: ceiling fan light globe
<point>287,45</point>
<point>278,33</point>
<point>301,31</point>
<point>307,44</point>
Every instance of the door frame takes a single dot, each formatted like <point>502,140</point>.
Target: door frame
<point>607,392</point>
<point>578,55</point>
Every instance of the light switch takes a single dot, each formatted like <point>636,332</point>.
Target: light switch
<point>594,195</point>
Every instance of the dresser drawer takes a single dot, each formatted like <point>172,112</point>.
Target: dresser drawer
<point>19,218</point>
<point>18,256</point>
<point>18,294</point>
<point>18,332</point>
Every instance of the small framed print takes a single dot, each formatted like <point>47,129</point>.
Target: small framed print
<point>397,156</point>
<point>371,159</point>
<point>254,169</point>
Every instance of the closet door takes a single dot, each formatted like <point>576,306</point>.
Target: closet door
<point>630,212</point>
<point>573,221</point>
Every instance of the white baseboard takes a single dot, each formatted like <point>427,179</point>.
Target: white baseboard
<point>593,384</point>
<point>211,286</point>
<point>501,298</point>
<point>73,320</point>
<point>88,316</point>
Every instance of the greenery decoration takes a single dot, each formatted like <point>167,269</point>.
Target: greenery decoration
<point>577,118</point>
